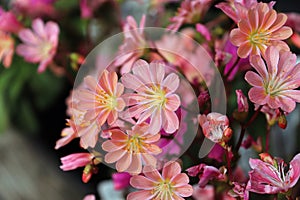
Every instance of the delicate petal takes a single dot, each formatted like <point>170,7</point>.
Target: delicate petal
<point>170,170</point>
<point>141,182</point>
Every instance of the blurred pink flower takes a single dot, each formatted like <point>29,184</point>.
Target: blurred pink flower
<point>76,160</point>
<point>40,44</point>
<point>129,150</point>
<point>242,101</point>
<point>9,22</point>
<point>6,49</point>
<point>34,8</point>
<point>263,27</point>
<point>275,84</point>
<point>190,11</point>
<point>204,31</point>
<point>68,134</point>
<point>266,178</point>
<point>88,7</point>
<point>206,193</point>
<point>172,184</point>
<point>205,173</point>
<point>133,46</point>
<point>89,197</point>
<point>121,180</point>
<point>215,127</point>
<point>155,98</point>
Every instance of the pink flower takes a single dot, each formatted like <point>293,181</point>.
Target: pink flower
<point>9,22</point>
<point>68,134</point>
<point>237,9</point>
<point>40,44</point>
<point>261,28</point>
<point>133,46</point>
<point>275,84</point>
<point>172,184</point>
<point>6,49</point>
<point>76,160</point>
<point>34,8</point>
<point>131,149</point>
<point>266,178</point>
<point>242,101</point>
<point>121,180</point>
<point>205,173</point>
<point>215,127</point>
<point>155,98</point>
<point>89,197</point>
<point>101,98</point>
<point>190,11</point>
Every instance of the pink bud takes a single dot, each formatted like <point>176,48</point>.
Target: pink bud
<point>242,101</point>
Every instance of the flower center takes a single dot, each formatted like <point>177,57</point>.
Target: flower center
<point>259,37</point>
<point>156,96</point>
<point>108,101</point>
<point>163,190</point>
<point>135,144</point>
<point>46,49</point>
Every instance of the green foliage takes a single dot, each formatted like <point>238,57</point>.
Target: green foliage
<point>24,94</point>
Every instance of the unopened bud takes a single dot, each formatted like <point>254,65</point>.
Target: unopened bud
<point>242,101</point>
<point>87,173</point>
<point>266,158</point>
<point>282,122</point>
<point>227,134</point>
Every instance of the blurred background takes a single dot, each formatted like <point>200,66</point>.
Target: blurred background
<point>33,106</point>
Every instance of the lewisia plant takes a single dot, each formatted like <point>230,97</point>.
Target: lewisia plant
<point>149,110</point>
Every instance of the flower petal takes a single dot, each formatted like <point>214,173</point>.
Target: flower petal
<point>144,194</point>
<point>171,169</point>
<point>253,79</point>
<point>141,182</point>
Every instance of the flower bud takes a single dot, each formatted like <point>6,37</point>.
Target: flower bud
<point>242,101</point>
<point>282,122</point>
<point>266,158</point>
<point>87,173</point>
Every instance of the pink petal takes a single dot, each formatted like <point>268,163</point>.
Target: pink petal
<point>171,82</point>
<point>287,104</point>
<point>282,33</point>
<point>259,65</point>
<point>269,20</point>
<point>237,37</point>
<point>173,102</point>
<point>171,122</point>
<point>244,50</point>
<point>253,79</point>
<point>27,36</point>
<point>294,170</point>
<point>38,27</point>
<point>149,159</point>
<point>141,70</point>
<point>170,170</point>
<point>257,95</point>
<point>293,94</point>
<point>140,195</point>
<point>272,58</point>
<point>112,146</point>
<point>253,19</point>
<point>280,21</point>
<point>124,162</point>
<point>135,165</point>
<point>244,27</point>
<point>141,182</point>
<point>180,180</point>
<point>132,82</point>
<point>157,71</point>
<point>152,173</point>
<point>114,156</point>
<point>155,122</point>
<point>184,191</point>
<point>118,135</point>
